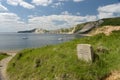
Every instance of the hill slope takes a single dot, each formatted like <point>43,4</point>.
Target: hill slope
<point>59,62</point>
<point>89,26</point>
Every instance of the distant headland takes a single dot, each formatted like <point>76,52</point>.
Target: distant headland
<point>36,30</point>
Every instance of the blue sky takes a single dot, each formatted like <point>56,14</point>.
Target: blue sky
<point>18,15</point>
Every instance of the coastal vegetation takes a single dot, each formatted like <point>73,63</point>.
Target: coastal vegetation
<point>60,62</point>
<point>111,22</point>
<point>3,55</point>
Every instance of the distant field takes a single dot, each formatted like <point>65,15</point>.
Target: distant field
<point>59,62</point>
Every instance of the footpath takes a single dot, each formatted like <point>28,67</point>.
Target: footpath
<point>3,65</point>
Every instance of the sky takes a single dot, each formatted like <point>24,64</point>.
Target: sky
<point>17,15</point>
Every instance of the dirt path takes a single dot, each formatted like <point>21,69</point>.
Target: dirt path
<point>3,65</point>
<point>114,76</point>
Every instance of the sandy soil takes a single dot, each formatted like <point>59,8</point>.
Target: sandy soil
<point>107,30</point>
<point>115,75</point>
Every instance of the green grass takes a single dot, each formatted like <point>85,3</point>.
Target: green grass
<point>60,62</point>
<point>111,21</point>
<point>3,55</point>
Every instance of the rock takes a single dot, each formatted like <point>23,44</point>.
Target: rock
<point>88,27</point>
<point>85,52</point>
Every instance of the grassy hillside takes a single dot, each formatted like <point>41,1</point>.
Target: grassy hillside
<point>3,55</point>
<point>59,62</point>
<point>111,22</point>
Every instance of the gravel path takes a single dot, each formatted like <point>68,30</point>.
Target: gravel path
<point>3,65</point>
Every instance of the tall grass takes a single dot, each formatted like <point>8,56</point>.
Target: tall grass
<point>60,62</point>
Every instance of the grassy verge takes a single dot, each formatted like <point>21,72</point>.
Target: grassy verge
<point>59,62</point>
<point>3,55</point>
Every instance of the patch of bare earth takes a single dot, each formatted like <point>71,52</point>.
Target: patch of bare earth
<point>3,65</point>
<point>115,75</point>
<point>107,30</point>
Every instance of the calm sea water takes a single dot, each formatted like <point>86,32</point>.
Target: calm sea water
<point>19,41</point>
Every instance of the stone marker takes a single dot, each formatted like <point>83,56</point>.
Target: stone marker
<point>85,52</point>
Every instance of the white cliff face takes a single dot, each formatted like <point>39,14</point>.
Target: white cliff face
<point>71,32</point>
<point>39,30</point>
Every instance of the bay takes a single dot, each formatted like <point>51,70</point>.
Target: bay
<point>19,41</point>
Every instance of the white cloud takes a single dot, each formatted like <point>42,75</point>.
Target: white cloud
<point>55,5</point>
<point>66,13</point>
<point>78,13</point>
<point>11,22</point>
<point>3,8</point>
<point>48,2</point>
<point>77,0</point>
<point>42,2</point>
<point>63,0</point>
<point>72,0</point>
<point>109,11</point>
<point>58,21</point>
<point>21,3</point>
<point>26,5</point>
<point>13,2</point>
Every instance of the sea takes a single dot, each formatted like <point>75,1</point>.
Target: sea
<point>19,41</point>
